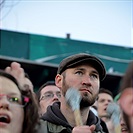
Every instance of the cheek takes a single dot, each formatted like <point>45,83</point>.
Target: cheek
<point>126,101</point>
<point>100,107</point>
<point>96,85</point>
<point>72,80</point>
<point>127,106</point>
<point>43,104</point>
<point>18,115</point>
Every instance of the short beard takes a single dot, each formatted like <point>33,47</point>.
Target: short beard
<point>85,102</point>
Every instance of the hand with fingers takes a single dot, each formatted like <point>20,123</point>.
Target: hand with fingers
<point>84,129</point>
<point>17,71</point>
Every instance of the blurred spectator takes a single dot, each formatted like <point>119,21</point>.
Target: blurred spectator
<point>104,98</point>
<point>93,108</point>
<point>47,95</point>
<point>124,128</point>
<point>126,97</point>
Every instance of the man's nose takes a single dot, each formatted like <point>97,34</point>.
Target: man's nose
<point>106,102</point>
<point>55,96</point>
<point>86,80</point>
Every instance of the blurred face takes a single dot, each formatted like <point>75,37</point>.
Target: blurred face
<point>124,128</point>
<point>29,84</point>
<point>85,79</point>
<point>11,114</point>
<point>49,95</point>
<point>103,100</point>
<point>126,103</point>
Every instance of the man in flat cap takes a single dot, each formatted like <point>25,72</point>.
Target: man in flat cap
<point>82,72</point>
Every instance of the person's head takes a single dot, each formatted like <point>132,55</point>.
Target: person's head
<point>105,96</point>
<point>17,107</point>
<point>82,72</point>
<point>47,94</point>
<point>124,128</point>
<point>28,83</point>
<point>126,97</point>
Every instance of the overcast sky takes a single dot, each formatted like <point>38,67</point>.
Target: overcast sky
<point>106,21</point>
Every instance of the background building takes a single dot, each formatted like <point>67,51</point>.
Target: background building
<point>40,55</point>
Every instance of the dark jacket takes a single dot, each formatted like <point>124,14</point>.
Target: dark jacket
<point>54,121</point>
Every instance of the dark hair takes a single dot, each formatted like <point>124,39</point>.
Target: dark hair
<point>31,116</point>
<point>103,90</point>
<point>26,75</point>
<point>38,93</point>
<point>127,81</point>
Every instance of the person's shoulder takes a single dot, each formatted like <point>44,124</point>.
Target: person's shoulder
<point>50,127</point>
<point>42,127</point>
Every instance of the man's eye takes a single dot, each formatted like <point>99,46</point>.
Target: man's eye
<point>58,95</point>
<point>94,76</point>
<point>48,95</point>
<point>79,73</point>
<point>102,100</point>
<point>14,99</point>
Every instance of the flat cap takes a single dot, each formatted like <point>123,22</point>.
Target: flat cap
<point>77,59</point>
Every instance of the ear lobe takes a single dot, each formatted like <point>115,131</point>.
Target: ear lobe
<point>58,80</point>
<point>126,101</point>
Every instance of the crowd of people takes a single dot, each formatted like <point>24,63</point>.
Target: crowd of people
<point>48,111</point>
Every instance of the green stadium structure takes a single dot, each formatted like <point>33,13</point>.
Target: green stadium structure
<point>40,56</point>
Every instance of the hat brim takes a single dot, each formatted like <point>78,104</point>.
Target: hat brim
<point>94,62</point>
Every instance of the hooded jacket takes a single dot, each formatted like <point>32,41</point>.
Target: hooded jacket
<point>55,122</point>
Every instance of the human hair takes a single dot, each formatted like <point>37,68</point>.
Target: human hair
<point>38,93</point>
<point>126,82</point>
<point>31,116</point>
<point>31,113</point>
<point>26,75</point>
<point>103,90</point>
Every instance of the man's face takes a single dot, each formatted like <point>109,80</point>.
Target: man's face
<point>11,114</point>
<point>49,95</point>
<point>103,100</point>
<point>85,79</point>
<point>126,104</point>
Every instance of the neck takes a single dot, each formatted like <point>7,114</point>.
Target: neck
<point>69,114</point>
<point>105,118</point>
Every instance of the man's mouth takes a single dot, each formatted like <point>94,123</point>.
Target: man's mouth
<point>105,109</point>
<point>85,90</point>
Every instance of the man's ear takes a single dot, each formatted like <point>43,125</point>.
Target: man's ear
<point>58,80</point>
<point>126,101</point>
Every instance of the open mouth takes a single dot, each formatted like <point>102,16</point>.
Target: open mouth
<point>105,109</point>
<point>124,129</point>
<point>4,119</point>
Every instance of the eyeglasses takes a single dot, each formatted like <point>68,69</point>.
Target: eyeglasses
<point>49,95</point>
<point>15,101</point>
